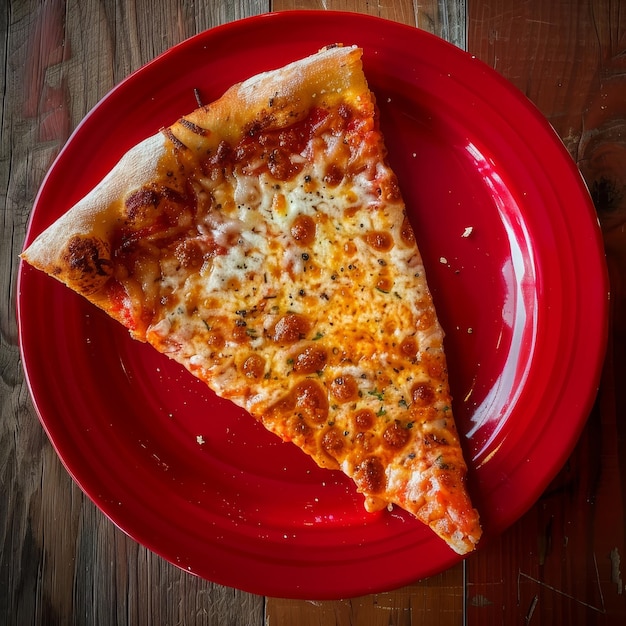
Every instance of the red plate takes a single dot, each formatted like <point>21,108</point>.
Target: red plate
<point>523,298</point>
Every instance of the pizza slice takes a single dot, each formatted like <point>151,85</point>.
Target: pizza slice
<point>262,242</point>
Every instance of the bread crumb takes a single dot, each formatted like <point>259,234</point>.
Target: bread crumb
<point>468,231</point>
<point>200,439</point>
<point>443,260</point>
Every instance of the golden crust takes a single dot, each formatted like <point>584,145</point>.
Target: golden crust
<point>279,97</point>
<point>90,220</point>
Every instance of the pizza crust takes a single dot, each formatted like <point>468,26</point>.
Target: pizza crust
<point>279,97</point>
<point>91,219</point>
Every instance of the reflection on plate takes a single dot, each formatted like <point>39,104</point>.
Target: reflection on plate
<point>514,260</point>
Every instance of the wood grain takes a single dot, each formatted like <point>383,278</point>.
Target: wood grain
<point>443,18</point>
<point>63,562</point>
<point>438,599</point>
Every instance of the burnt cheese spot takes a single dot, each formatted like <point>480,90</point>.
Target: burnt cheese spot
<point>344,388</point>
<point>406,233</point>
<point>408,348</point>
<point>215,339</point>
<point>334,175</point>
<point>434,366</point>
<point>87,263</point>
<point>427,319</point>
<point>333,442</point>
<point>140,202</point>
<point>396,435</point>
<point>254,367</point>
<point>349,248</point>
<point>310,360</point>
<point>384,284</point>
<point>290,328</point>
<point>431,439</point>
<point>280,165</point>
<point>302,431</point>
<point>239,332</point>
<point>364,419</point>
<point>422,394</point>
<point>379,240</point>
<point>369,475</point>
<point>311,401</point>
<point>303,230</point>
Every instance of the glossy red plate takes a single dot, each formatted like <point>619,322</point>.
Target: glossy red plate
<point>515,262</point>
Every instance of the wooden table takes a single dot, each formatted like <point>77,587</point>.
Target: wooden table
<point>63,562</point>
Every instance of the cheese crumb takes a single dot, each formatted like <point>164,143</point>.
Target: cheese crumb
<point>200,439</point>
<point>468,231</point>
<point>443,260</point>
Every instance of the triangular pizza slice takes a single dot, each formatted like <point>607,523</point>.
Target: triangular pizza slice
<point>262,242</point>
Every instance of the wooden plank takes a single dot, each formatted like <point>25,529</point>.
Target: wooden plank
<point>401,11</point>
<point>562,562</point>
<point>444,18</point>
<point>438,599</point>
<point>548,50</point>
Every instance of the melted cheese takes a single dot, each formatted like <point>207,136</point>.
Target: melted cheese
<point>310,310</point>
<point>275,261</point>
<point>333,255</point>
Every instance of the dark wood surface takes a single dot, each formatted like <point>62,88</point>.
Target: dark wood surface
<point>63,562</point>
